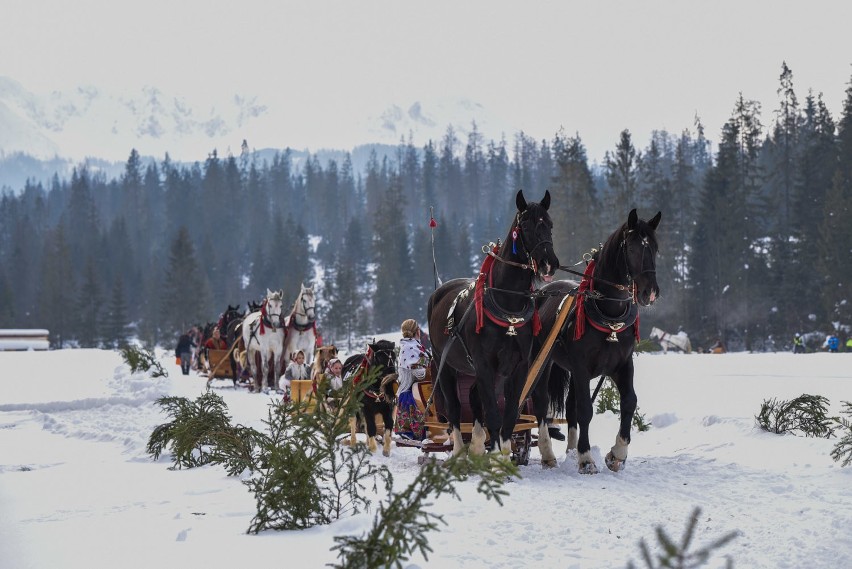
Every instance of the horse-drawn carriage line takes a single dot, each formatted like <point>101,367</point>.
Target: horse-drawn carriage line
<point>482,365</point>
<point>263,337</point>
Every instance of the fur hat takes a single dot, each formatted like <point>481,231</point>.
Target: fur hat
<point>409,328</point>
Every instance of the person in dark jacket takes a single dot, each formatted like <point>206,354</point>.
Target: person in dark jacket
<point>184,352</point>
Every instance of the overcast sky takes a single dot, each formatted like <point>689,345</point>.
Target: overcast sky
<point>591,67</point>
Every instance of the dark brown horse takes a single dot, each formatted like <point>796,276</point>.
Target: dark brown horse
<point>485,326</point>
<point>598,338</point>
<point>378,363</point>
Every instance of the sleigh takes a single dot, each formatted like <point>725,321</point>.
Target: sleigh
<point>438,438</point>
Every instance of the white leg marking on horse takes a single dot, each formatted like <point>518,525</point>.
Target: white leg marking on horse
<point>458,443</point>
<point>371,443</point>
<point>352,430</point>
<point>477,439</point>
<point>573,437</point>
<point>586,464</point>
<point>545,447</point>
<point>506,447</point>
<point>617,455</point>
<point>386,442</point>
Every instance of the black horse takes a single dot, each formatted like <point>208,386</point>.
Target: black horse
<point>229,323</point>
<point>598,338</point>
<point>375,399</point>
<point>485,326</point>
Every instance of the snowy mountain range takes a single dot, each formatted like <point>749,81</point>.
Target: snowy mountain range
<point>89,123</point>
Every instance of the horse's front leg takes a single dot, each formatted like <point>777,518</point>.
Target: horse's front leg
<point>370,421</point>
<point>387,416</point>
<point>541,405</point>
<point>447,381</point>
<point>512,393</point>
<point>617,455</point>
<point>580,385</point>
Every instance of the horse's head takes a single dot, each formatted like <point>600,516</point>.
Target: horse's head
<point>384,355</point>
<point>274,306</point>
<point>535,230</point>
<point>639,244</point>
<point>306,304</point>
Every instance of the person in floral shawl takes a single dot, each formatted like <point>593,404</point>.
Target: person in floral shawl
<point>411,367</point>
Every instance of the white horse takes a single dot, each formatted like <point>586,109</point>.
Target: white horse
<point>679,341</point>
<point>263,338</point>
<point>301,326</point>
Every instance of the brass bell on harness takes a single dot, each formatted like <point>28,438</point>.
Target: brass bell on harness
<point>614,327</point>
<point>512,321</point>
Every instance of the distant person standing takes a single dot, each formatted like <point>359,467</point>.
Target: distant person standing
<point>849,344</point>
<point>798,344</point>
<point>832,343</point>
<point>183,350</point>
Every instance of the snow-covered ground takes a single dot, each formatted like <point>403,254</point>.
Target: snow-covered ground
<point>77,489</point>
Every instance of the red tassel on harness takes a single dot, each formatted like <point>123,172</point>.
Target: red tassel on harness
<point>262,318</point>
<point>585,284</point>
<point>479,291</point>
<point>432,223</point>
<point>536,323</point>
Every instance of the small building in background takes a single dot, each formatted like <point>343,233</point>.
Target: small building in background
<point>24,339</point>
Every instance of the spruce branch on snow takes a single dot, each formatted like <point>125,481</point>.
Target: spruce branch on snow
<point>307,477</point>
<point>140,359</point>
<point>193,430</point>
<point>806,414</point>
<point>401,524</point>
<point>843,449</point>
<point>678,555</point>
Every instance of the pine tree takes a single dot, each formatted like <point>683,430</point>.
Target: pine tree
<point>57,290</point>
<point>815,178</point>
<point>115,319</point>
<point>727,269</point>
<point>186,295</point>
<point>836,231</point>
<point>391,300</point>
<point>621,174</point>
<point>573,191</point>
<point>344,301</point>
<point>89,307</point>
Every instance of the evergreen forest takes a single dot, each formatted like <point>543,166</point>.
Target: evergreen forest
<point>755,238</point>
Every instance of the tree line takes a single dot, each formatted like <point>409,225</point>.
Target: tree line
<point>754,242</point>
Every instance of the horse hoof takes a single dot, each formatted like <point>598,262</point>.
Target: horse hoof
<point>551,463</point>
<point>588,468</point>
<point>613,463</point>
<point>386,453</point>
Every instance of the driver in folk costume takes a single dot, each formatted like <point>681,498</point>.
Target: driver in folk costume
<point>411,367</point>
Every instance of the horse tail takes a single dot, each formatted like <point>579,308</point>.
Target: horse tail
<point>557,385</point>
<point>386,387</point>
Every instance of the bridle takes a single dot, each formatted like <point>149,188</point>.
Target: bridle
<point>304,306</point>
<point>521,236</point>
<point>631,278</point>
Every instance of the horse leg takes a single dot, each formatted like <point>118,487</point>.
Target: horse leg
<point>512,392</point>
<point>541,405</point>
<point>571,417</point>
<point>490,410</point>
<point>353,430</point>
<point>257,370</point>
<point>387,416</point>
<point>370,420</point>
<point>617,455</point>
<point>478,434</point>
<point>452,405</point>
<point>580,384</point>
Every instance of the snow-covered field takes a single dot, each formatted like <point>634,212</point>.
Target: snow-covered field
<point>77,489</point>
